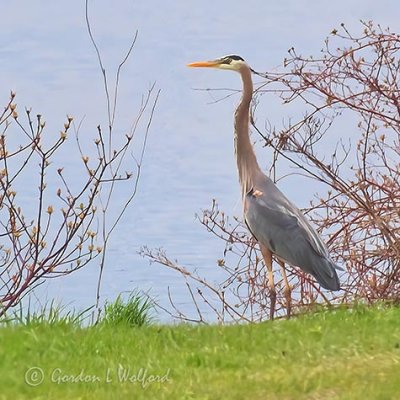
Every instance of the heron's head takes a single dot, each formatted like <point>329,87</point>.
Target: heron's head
<point>233,63</point>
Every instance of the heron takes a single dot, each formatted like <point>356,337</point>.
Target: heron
<point>278,226</point>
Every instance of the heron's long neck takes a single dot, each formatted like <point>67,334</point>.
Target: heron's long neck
<point>245,156</point>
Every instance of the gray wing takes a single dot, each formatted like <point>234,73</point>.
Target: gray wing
<point>279,225</point>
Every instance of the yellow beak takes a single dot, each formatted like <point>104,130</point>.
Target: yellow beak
<point>204,64</point>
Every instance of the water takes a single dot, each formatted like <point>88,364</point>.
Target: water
<point>46,56</point>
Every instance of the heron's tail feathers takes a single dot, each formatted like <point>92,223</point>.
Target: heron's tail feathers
<point>325,274</point>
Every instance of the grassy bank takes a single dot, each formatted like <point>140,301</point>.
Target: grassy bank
<point>330,355</point>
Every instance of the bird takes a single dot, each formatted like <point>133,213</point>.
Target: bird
<point>278,226</point>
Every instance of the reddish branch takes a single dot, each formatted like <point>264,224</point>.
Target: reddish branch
<point>68,225</point>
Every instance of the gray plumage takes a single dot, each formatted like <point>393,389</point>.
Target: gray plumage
<point>277,223</point>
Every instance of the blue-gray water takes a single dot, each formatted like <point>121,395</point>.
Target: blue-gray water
<point>46,56</point>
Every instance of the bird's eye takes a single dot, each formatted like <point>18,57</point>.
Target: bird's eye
<point>226,60</point>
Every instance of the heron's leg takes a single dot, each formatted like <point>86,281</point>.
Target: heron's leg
<point>272,292</point>
<point>287,291</point>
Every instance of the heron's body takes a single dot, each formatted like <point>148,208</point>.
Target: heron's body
<point>276,223</point>
<point>280,226</point>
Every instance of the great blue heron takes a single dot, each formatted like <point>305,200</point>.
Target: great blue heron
<point>278,225</point>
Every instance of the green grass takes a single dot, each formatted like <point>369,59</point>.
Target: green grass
<point>328,355</point>
<point>134,311</point>
<point>50,313</point>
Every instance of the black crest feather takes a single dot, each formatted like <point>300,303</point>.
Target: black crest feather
<point>229,59</point>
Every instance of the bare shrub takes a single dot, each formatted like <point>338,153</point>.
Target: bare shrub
<point>357,208</point>
<point>54,219</point>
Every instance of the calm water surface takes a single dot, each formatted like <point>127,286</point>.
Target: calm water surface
<point>46,56</point>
